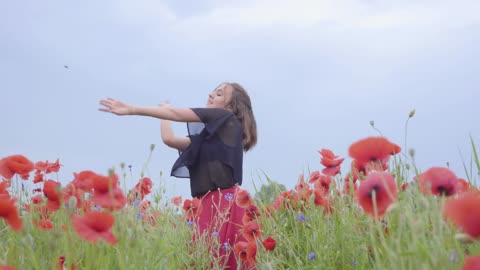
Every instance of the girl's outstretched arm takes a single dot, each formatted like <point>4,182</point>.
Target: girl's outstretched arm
<point>163,112</point>
<point>169,139</point>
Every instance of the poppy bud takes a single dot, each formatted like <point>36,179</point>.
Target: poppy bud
<point>464,238</point>
<point>411,114</point>
<point>411,152</point>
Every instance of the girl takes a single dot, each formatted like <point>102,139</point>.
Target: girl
<point>211,156</point>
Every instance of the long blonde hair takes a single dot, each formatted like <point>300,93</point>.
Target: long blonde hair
<point>241,106</point>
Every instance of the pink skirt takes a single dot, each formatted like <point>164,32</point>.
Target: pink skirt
<point>220,222</point>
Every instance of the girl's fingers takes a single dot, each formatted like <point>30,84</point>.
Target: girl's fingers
<point>106,103</point>
<point>110,105</point>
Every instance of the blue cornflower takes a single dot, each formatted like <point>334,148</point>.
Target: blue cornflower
<point>229,196</point>
<point>215,233</point>
<point>139,215</point>
<point>225,246</point>
<point>189,223</point>
<point>302,218</point>
<point>311,256</point>
<point>136,203</point>
<point>453,257</point>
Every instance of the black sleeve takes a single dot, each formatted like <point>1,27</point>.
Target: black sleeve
<point>213,118</point>
<point>208,115</point>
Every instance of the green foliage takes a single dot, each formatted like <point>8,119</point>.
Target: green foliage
<point>268,192</point>
<point>413,234</point>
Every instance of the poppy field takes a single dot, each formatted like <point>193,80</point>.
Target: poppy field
<point>378,212</point>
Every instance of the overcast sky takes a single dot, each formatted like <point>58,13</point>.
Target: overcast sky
<point>317,72</point>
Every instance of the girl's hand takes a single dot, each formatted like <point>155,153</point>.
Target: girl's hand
<point>116,107</point>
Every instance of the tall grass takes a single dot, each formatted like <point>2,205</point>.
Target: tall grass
<point>412,235</point>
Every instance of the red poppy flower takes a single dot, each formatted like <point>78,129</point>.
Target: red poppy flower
<point>3,189</point>
<point>251,231</point>
<point>87,205</point>
<point>7,267</point>
<point>301,186</point>
<point>53,167</point>
<point>95,225</point>
<point>37,199</point>
<point>327,162</point>
<point>331,162</point>
<point>323,184</point>
<point>269,243</point>
<point>332,171</point>
<point>71,193</point>
<point>438,181</point>
<point>320,200</point>
<point>61,264</point>
<point>240,250</point>
<point>103,184</point>
<point>405,186</point>
<point>16,164</point>
<point>357,170</point>
<point>376,149</point>
<point>53,205</point>
<point>177,201</point>
<point>144,187</point>
<point>113,200</point>
<point>471,263</point>
<point>38,177</point>
<point>106,192</point>
<point>9,212</point>
<point>84,180</point>
<point>302,198</point>
<point>52,190</point>
<point>192,208</point>
<point>151,217</point>
<point>464,212</point>
<point>462,185</point>
<point>246,251</point>
<point>246,219</point>
<point>251,213</point>
<point>42,211</point>
<point>145,205</point>
<point>251,252</point>
<point>326,153</point>
<point>243,198</point>
<point>43,224</point>
<point>349,183</point>
<point>385,189</point>
<point>47,167</point>
<point>283,200</point>
<point>314,176</point>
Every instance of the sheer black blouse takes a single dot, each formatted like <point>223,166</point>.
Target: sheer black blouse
<point>214,158</point>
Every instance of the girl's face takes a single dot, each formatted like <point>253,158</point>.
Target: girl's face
<point>220,97</point>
